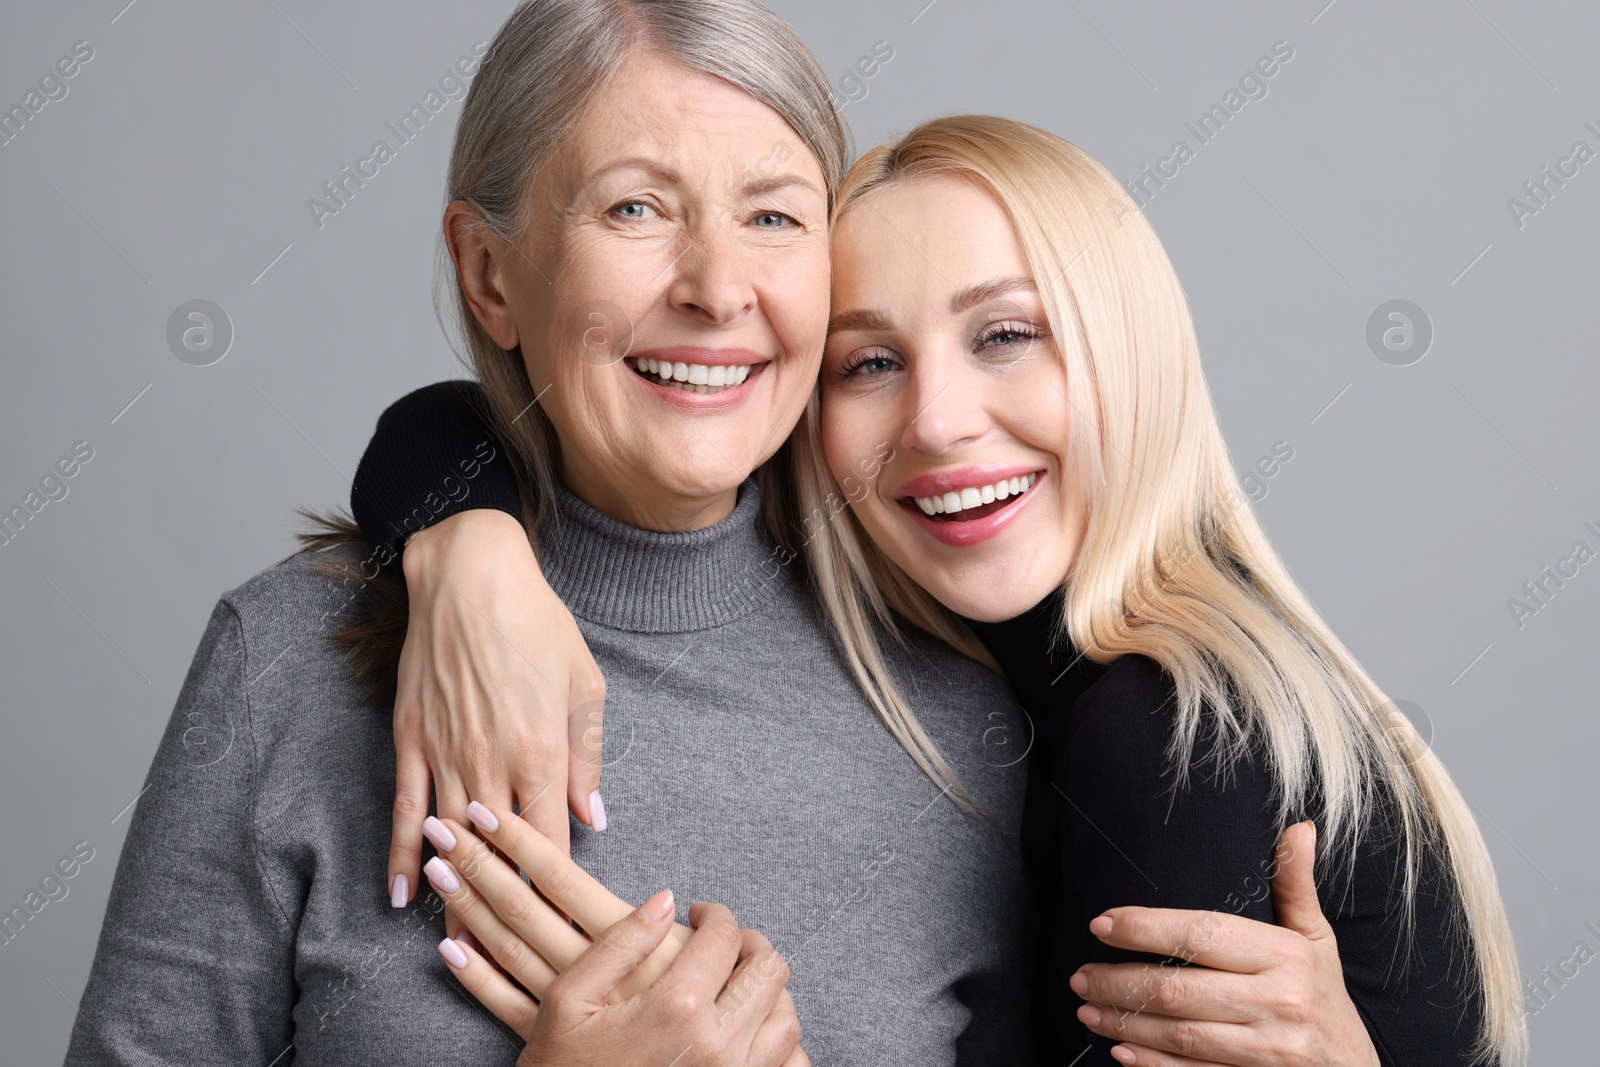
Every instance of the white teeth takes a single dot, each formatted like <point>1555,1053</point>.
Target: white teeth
<point>694,377</point>
<point>975,496</point>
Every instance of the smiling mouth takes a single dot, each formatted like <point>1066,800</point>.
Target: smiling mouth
<point>692,377</point>
<point>972,502</point>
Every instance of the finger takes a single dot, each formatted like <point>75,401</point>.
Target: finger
<point>585,732</point>
<point>543,803</point>
<point>705,963</point>
<point>411,784</point>
<point>1135,1055</point>
<point>1294,885</point>
<point>491,988</point>
<point>515,904</point>
<point>1167,989</point>
<point>753,988</point>
<point>597,973</point>
<point>1209,938</point>
<point>566,885</point>
<point>522,960</point>
<point>1205,1042</point>
<point>778,1031</point>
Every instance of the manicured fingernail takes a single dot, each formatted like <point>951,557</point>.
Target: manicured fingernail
<point>1079,983</point>
<point>597,811</point>
<point>451,951</point>
<point>439,834</point>
<point>442,877</point>
<point>1100,926</point>
<point>399,889</point>
<point>465,937</point>
<point>1089,1015</point>
<point>1124,1054</point>
<point>657,907</point>
<point>482,817</point>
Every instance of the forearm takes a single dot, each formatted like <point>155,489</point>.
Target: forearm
<point>433,455</point>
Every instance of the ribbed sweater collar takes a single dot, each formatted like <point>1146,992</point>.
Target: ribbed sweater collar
<point>647,582</point>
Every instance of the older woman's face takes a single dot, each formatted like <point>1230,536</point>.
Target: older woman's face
<point>671,298</point>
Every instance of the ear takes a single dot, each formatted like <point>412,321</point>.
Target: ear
<point>478,256</point>
<point>1294,887</point>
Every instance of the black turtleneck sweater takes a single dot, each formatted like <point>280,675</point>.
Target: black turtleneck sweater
<point>1104,825</point>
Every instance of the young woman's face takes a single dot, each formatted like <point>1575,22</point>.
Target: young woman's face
<point>671,297</point>
<point>939,350</point>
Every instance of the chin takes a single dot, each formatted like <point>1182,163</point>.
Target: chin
<point>988,606</point>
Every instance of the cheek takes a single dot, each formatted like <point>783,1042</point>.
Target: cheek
<point>841,437</point>
<point>795,298</point>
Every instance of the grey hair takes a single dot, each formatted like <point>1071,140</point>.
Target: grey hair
<point>549,60</point>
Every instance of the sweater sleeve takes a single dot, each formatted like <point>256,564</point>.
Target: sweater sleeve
<point>1133,836</point>
<point>433,455</point>
<point>195,959</point>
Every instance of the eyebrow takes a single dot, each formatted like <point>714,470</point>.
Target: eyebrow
<point>964,300</point>
<point>644,163</point>
<point>973,295</point>
<point>753,187</point>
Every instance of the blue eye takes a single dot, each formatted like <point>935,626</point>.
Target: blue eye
<point>1006,335</point>
<point>632,209</point>
<point>768,220</point>
<point>868,362</point>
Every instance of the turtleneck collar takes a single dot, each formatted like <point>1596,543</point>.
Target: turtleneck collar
<point>642,581</point>
<point>1036,652</point>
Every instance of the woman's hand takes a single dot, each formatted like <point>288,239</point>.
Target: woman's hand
<point>498,697</point>
<point>644,990</point>
<point>1253,995</point>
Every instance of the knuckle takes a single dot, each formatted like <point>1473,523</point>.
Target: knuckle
<point>409,807</point>
<point>513,953</point>
<point>681,1007</point>
<point>1295,1007</point>
<point>1187,1038</point>
<point>518,912</point>
<point>559,882</point>
<point>1170,994</point>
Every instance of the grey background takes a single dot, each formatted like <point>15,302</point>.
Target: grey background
<point>1378,167</point>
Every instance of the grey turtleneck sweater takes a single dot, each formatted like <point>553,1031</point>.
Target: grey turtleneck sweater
<point>248,922</point>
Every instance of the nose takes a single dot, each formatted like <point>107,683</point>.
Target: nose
<point>711,275</point>
<point>944,407</point>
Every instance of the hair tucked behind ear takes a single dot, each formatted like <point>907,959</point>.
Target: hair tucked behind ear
<point>1173,563</point>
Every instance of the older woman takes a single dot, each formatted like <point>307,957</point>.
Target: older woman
<point>671,164</point>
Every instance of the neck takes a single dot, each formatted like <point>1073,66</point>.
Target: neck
<point>647,507</point>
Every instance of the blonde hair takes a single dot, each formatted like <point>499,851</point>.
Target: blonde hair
<point>1173,563</point>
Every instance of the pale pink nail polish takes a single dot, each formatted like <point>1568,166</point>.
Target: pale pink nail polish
<point>442,877</point>
<point>398,891</point>
<point>482,817</point>
<point>439,834</point>
<point>451,951</point>
<point>597,811</point>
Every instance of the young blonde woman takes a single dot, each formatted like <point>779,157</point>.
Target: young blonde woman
<point>1012,447</point>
